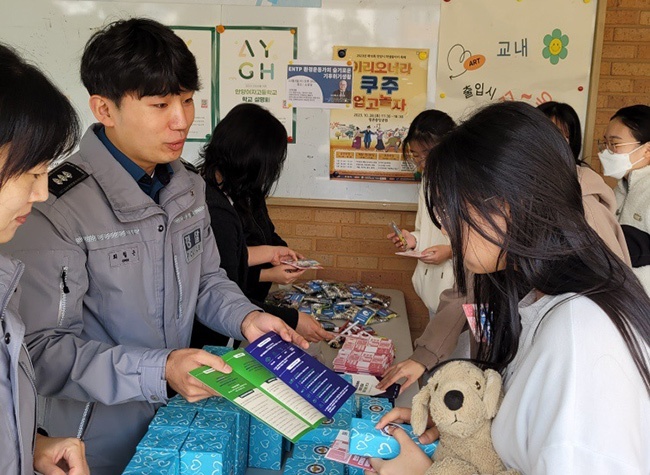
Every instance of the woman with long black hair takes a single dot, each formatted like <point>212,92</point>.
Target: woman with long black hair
<point>567,322</point>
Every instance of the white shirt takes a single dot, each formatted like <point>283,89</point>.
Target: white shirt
<point>574,400</point>
<point>429,280</point>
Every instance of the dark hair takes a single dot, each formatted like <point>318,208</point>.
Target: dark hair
<point>509,164</point>
<point>427,128</point>
<point>566,118</point>
<point>140,57</point>
<point>37,122</point>
<point>248,149</point>
<point>637,119</point>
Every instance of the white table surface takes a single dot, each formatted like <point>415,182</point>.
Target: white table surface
<point>398,330</point>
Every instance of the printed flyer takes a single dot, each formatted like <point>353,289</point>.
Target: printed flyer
<point>326,85</point>
<point>389,88</point>
<point>280,384</point>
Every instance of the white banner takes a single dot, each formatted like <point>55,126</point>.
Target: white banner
<point>496,50</point>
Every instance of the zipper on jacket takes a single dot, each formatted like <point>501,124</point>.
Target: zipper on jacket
<point>28,368</point>
<point>65,290</point>
<point>180,287</point>
<point>85,417</point>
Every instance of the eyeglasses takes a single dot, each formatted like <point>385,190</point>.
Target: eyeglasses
<point>612,147</point>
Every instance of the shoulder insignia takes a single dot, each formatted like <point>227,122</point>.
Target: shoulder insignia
<point>64,177</point>
<point>190,167</point>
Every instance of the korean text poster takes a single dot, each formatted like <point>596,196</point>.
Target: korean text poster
<point>485,56</point>
<point>252,67</point>
<point>326,85</point>
<point>389,89</point>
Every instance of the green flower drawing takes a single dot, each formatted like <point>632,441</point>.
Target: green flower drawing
<point>556,44</point>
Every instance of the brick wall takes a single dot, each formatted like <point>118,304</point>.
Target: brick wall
<point>351,242</point>
<point>625,63</point>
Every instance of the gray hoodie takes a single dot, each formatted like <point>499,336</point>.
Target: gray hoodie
<point>112,285</point>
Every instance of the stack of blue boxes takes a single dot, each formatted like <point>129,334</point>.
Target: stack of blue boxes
<point>216,437</point>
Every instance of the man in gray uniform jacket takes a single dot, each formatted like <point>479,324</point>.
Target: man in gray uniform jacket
<point>121,257</point>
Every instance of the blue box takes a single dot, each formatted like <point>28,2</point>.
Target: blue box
<point>242,424</point>
<point>309,450</point>
<point>374,408</point>
<point>180,401</point>
<point>327,431</point>
<point>217,350</point>
<point>265,446</point>
<point>367,441</point>
<point>355,470</point>
<point>174,416</point>
<point>296,466</point>
<point>148,463</point>
<point>163,442</point>
<point>207,452</point>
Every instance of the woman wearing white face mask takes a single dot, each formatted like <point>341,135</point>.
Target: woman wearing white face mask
<point>625,155</point>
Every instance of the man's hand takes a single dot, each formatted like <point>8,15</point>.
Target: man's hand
<point>181,362</point>
<point>402,415</point>
<point>257,324</point>
<point>410,240</point>
<point>411,458</point>
<point>60,456</point>
<point>436,254</point>
<point>409,369</point>
<point>311,329</point>
<point>282,274</point>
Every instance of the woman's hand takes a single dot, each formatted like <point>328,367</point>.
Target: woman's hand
<point>282,274</point>
<point>436,254</point>
<point>411,242</point>
<point>411,459</point>
<point>402,415</point>
<point>311,329</point>
<point>272,254</point>
<point>409,369</point>
<point>60,456</point>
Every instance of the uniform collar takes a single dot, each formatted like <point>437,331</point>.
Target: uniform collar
<point>149,185</point>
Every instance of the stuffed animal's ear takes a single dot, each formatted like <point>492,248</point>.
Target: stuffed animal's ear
<point>420,411</point>
<point>492,396</point>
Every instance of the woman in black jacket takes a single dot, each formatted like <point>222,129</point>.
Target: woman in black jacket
<point>241,163</point>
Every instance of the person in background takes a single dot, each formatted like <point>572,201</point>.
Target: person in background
<point>433,272</point>
<point>121,257</point>
<point>567,321</point>
<point>240,165</point>
<point>597,197</point>
<point>624,154</point>
<point>37,125</point>
<point>440,338</point>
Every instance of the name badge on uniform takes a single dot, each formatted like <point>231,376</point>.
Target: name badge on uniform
<point>193,245</point>
<point>121,257</point>
<point>637,216</point>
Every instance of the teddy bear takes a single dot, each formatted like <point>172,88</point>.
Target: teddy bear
<point>462,400</point>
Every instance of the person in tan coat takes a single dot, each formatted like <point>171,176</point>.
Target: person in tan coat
<point>440,337</point>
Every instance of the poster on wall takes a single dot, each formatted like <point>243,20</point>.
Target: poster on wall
<point>485,56</point>
<point>389,88</point>
<point>251,3</point>
<point>252,67</point>
<point>201,42</point>
<point>326,85</point>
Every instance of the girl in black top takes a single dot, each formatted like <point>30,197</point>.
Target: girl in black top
<point>241,163</point>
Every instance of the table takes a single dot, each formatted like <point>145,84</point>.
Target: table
<point>398,330</point>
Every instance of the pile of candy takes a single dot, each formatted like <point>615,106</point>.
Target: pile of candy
<point>328,301</point>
